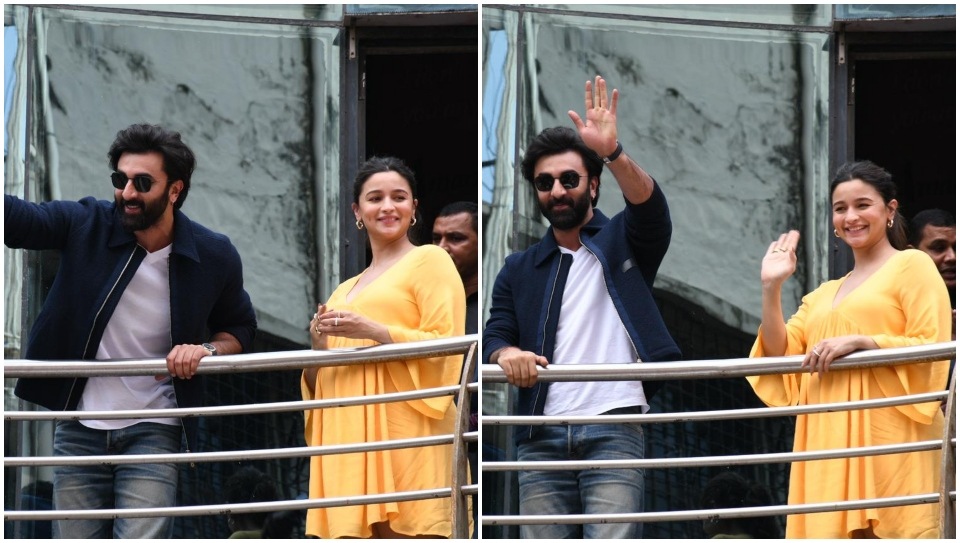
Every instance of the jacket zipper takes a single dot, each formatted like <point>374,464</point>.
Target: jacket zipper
<point>97,317</point>
<point>183,428</point>
<point>619,317</point>
<point>543,344</point>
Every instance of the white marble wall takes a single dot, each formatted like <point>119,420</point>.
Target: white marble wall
<point>248,103</point>
<point>722,120</point>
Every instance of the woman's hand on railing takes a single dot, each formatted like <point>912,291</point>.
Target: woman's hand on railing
<point>827,350</point>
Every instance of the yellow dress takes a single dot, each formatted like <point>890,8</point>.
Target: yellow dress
<point>903,303</point>
<point>420,297</point>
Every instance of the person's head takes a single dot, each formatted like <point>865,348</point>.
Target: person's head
<point>566,175</point>
<point>730,490</point>
<point>455,231</point>
<point>151,175</point>
<point>934,231</point>
<point>385,198</point>
<point>863,197</point>
<point>249,485</point>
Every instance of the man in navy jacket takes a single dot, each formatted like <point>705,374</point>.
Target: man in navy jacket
<point>137,279</point>
<point>582,295</point>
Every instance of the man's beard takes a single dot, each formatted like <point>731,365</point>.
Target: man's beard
<point>569,218</point>
<point>150,213</point>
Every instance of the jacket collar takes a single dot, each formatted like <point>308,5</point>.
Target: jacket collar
<point>184,243</point>
<point>548,244</point>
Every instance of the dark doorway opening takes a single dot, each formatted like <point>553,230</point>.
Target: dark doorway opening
<point>422,107</point>
<point>905,121</point>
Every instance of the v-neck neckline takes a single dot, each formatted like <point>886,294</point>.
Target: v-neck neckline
<point>837,303</point>
<point>347,297</point>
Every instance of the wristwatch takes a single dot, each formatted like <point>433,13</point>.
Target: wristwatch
<point>615,155</point>
<point>210,347</point>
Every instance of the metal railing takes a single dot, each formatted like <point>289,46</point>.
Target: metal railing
<point>275,361</point>
<point>710,369</point>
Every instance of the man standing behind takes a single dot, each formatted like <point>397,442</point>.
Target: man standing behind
<point>137,279</point>
<point>583,295</point>
<point>455,231</point>
<point>934,231</point>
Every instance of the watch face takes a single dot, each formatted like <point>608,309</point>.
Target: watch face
<point>210,348</point>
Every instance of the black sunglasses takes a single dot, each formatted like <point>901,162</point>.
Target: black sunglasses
<point>568,179</point>
<point>141,182</point>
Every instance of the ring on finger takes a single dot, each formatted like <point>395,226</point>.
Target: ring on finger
<point>336,321</point>
<point>317,328</point>
<point>816,352</point>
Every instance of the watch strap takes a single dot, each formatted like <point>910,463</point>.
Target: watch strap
<point>615,154</point>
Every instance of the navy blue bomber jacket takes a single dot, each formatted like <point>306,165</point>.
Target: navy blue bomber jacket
<point>97,260</point>
<point>630,247</point>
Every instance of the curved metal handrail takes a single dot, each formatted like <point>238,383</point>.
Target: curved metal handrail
<point>701,514</point>
<point>275,361</point>
<point>742,367</point>
<point>735,367</point>
<point>268,407</point>
<point>244,363</point>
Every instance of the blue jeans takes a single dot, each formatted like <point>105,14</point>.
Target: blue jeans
<point>115,486</point>
<point>592,491</point>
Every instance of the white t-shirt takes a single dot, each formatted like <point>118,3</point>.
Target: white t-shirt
<point>138,328</point>
<point>590,332</point>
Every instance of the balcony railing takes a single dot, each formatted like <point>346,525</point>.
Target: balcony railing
<point>275,361</point>
<point>712,369</point>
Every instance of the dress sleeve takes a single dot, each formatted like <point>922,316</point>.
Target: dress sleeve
<point>438,290</point>
<point>784,390</point>
<point>924,316</point>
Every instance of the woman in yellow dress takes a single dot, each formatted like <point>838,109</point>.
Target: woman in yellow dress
<point>407,293</point>
<point>891,298</point>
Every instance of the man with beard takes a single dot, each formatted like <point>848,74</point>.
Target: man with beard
<point>137,279</point>
<point>455,231</point>
<point>934,231</point>
<point>582,295</point>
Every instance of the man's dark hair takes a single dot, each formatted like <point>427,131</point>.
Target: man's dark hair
<point>250,485</point>
<point>178,160</point>
<point>557,140</point>
<point>728,490</point>
<point>455,208</point>
<point>932,217</point>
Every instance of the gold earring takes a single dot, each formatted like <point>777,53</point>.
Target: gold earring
<point>890,223</point>
<point>359,224</point>
<point>413,222</point>
<point>835,233</point>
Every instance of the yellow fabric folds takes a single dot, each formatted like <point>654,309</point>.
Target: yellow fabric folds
<point>421,297</point>
<point>904,303</point>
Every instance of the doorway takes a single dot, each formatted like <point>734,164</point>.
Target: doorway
<point>905,121</point>
<point>895,104</point>
<point>422,107</point>
<point>417,99</point>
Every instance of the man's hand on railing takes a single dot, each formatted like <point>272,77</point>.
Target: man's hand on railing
<point>520,367</point>
<point>183,361</point>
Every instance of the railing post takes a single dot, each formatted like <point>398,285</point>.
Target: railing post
<point>948,472</point>
<point>458,501</point>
